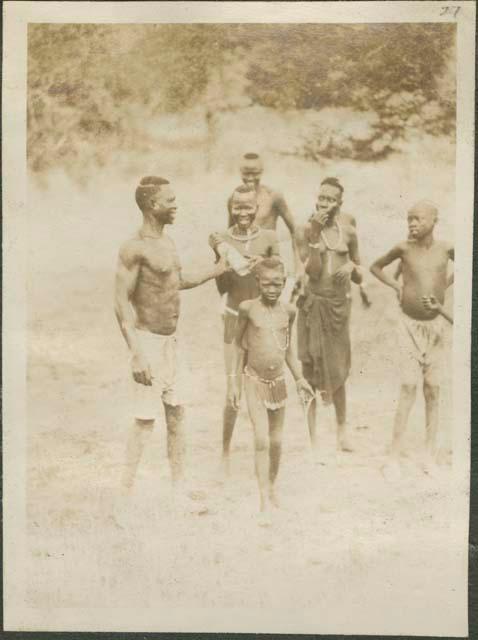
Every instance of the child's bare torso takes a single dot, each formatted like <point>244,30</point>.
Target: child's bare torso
<point>267,339</point>
<point>156,297</point>
<point>424,273</point>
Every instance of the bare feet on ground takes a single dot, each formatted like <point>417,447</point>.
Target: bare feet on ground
<point>344,444</point>
<point>274,500</point>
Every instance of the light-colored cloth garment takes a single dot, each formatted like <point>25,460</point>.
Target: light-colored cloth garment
<point>421,349</point>
<point>168,386</point>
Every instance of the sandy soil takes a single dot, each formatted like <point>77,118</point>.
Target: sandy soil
<point>346,539</point>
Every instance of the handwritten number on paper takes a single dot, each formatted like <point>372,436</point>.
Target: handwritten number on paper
<point>447,11</point>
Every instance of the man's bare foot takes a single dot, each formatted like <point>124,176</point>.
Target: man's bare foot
<point>273,498</point>
<point>429,466</point>
<point>264,518</point>
<point>343,444</point>
<point>319,456</point>
<point>226,465</point>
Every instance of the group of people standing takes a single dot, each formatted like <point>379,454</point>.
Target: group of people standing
<point>258,322</point>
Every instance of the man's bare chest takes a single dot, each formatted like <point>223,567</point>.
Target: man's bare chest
<point>159,262</point>
<point>425,261</point>
<point>265,207</point>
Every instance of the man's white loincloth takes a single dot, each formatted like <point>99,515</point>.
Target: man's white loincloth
<point>168,384</point>
<point>421,349</point>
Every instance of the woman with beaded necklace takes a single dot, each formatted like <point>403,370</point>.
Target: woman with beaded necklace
<point>253,243</point>
<point>329,249</point>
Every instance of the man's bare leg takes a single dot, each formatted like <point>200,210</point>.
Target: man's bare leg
<point>406,400</point>
<point>176,444</point>
<point>432,400</point>
<point>138,437</point>
<point>340,404</point>
<point>228,424</point>
<point>312,422</point>
<point>276,424</point>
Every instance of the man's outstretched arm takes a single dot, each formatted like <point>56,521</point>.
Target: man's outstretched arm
<point>190,281</point>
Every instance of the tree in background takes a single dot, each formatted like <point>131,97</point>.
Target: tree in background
<point>91,88</point>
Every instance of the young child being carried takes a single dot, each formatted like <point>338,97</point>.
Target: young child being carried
<point>423,262</point>
<point>263,340</point>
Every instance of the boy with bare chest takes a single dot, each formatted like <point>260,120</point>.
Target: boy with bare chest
<point>263,338</point>
<point>423,263</point>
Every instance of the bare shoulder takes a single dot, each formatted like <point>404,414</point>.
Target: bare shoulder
<point>245,307</point>
<point>131,251</point>
<point>349,230</point>
<point>348,219</point>
<point>445,246</point>
<point>402,247</point>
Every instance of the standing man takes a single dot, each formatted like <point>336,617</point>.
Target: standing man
<point>270,204</point>
<point>148,281</point>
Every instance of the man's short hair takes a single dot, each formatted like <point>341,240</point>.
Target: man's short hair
<point>146,188</point>
<point>430,206</point>
<point>243,188</point>
<point>270,263</point>
<point>333,182</point>
<point>251,158</point>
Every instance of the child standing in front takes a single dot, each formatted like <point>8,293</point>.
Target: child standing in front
<point>423,263</point>
<point>263,337</point>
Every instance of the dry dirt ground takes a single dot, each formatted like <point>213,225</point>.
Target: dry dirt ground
<point>346,541</point>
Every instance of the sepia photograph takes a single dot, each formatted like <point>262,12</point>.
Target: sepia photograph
<point>237,342</point>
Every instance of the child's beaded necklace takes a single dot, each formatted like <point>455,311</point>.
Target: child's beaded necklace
<point>274,334</point>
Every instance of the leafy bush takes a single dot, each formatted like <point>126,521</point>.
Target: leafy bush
<point>92,88</point>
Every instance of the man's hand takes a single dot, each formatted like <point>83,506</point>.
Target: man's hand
<point>252,261</point>
<point>233,391</point>
<point>222,265</point>
<point>431,303</point>
<point>366,302</point>
<point>342,274</point>
<point>141,371</point>
<point>304,390</point>
<point>214,239</point>
<point>319,220</point>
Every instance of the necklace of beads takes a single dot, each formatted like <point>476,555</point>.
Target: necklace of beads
<point>251,234</point>
<point>274,334</point>
<point>329,247</point>
<point>339,239</point>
